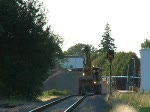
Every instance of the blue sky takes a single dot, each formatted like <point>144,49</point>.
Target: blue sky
<point>83,21</point>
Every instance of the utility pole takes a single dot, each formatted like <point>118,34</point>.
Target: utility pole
<point>127,78</point>
<point>110,61</point>
<point>134,71</point>
<point>110,56</point>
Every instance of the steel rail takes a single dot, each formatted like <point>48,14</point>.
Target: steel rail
<point>73,106</point>
<point>41,108</point>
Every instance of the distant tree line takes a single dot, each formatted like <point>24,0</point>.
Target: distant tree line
<point>78,48</point>
<point>123,62</point>
<point>28,48</point>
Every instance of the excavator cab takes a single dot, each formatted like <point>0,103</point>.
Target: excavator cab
<point>96,74</point>
<point>97,80</point>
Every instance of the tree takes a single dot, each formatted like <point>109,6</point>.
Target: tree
<point>28,48</point>
<point>145,44</point>
<point>119,64</point>
<point>78,49</point>
<point>107,41</point>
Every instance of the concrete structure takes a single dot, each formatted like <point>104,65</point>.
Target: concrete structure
<point>145,70</point>
<point>74,62</point>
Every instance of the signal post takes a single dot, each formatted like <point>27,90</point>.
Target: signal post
<point>110,56</point>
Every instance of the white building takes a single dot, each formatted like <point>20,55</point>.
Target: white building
<point>145,70</point>
<point>74,62</point>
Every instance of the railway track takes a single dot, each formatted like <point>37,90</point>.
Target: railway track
<point>69,108</point>
<point>73,106</point>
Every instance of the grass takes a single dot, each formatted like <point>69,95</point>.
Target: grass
<point>129,102</point>
<point>52,94</point>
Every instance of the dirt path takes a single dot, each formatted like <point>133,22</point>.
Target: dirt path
<point>63,81</point>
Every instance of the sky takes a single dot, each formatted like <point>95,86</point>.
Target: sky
<point>84,21</point>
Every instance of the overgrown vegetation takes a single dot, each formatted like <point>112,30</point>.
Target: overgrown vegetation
<point>139,101</point>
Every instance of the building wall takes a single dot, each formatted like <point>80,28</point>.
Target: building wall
<point>145,70</point>
<point>74,62</point>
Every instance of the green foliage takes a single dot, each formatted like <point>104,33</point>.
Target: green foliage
<point>99,59</point>
<point>119,64</point>
<point>28,48</point>
<point>107,42</point>
<point>78,49</point>
<point>145,44</point>
<point>54,92</point>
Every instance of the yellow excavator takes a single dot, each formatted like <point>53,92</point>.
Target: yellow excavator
<point>90,82</point>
